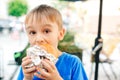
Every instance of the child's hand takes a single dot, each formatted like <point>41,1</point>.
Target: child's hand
<point>49,72</point>
<point>28,72</point>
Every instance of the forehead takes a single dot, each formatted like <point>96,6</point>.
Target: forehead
<point>34,20</point>
<point>41,19</point>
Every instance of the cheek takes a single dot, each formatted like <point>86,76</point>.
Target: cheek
<point>55,40</point>
<point>55,37</point>
<point>52,40</point>
<point>31,40</point>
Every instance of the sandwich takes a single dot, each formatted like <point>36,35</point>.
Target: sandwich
<point>41,52</point>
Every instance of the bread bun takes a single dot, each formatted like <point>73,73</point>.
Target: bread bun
<point>50,49</point>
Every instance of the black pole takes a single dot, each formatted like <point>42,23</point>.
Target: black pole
<point>100,19</point>
<point>97,42</point>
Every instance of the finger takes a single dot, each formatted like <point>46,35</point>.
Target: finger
<point>46,66</point>
<point>51,64</point>
<point>39,75</point>
<point>25,63</point>
<point>31,69</point>
<point>43,72</point>
<point>25,58</point>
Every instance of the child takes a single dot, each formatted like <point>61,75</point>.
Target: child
<point>44,25</point>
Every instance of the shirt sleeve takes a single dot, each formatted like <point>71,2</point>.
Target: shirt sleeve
<point>20,75</point>
<point>78,72</point>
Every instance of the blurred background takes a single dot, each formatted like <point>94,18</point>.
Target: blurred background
<point>80,19</point>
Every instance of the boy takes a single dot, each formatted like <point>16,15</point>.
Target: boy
<point>44,26</point>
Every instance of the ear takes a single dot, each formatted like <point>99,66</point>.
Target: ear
<point>61,34</point>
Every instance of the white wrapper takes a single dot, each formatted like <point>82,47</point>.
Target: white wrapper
<point>37,54</point>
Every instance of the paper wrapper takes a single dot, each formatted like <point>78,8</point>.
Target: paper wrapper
<point>38,53</point>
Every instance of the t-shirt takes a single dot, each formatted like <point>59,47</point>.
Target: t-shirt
<point>69,67</point>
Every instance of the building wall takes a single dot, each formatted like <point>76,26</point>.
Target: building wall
<point>3,9</point>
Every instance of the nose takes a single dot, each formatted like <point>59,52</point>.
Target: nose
<point>39,39</point>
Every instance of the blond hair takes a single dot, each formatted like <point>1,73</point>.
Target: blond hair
<point>44,12</point>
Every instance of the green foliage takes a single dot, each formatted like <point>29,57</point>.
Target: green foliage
<point>69,37</point>
<point>17,7</point>
<point>67,45</point>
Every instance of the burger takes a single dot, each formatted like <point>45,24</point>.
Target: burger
<point>41,52</point>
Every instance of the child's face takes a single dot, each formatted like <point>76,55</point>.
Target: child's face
<point>44,32</point>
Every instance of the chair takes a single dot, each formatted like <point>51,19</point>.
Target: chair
<point>102,62</point>
<point>107,50</point>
